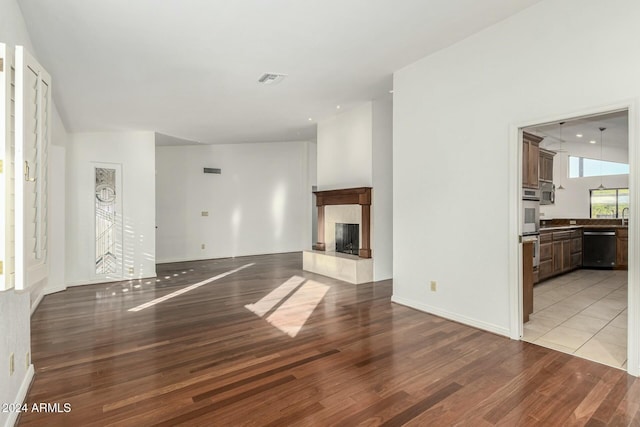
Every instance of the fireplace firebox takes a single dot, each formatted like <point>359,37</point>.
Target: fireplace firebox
<point>347,238</point>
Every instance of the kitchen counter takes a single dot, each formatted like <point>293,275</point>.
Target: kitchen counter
<point>561,228</point>
<point>585,227</point>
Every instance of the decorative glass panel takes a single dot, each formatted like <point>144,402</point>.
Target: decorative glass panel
<point>106,257</point>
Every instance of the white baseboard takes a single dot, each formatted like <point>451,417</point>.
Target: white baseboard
<point>98,281</point>
<point>211,257</point>
<point>453,316</point>
<point>21,396</point>
<point>55,289</point>
<point>36,303</point>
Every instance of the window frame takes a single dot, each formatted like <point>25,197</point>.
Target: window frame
<point>581,160</point>
<point>617,199</point>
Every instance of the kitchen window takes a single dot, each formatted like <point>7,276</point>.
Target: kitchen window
<point>581,167</point>
<point>609,203</point>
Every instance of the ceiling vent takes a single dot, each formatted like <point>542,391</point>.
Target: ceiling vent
<point>271,78</point>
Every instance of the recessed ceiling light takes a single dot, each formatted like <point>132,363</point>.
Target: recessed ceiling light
<point>310,119</point>
<point>391,91</point>
<point>592,141</point>
<point>579,135</point>
<point>337,107</point>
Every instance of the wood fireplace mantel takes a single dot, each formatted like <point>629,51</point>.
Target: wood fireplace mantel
<point>348,196</point>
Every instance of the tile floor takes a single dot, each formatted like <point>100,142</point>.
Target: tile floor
<point>583,313</point>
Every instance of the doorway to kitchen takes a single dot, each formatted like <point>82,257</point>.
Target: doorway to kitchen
<point>575,212</point>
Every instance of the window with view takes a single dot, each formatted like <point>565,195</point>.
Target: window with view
<point>609,203</point>
<point>580,167</point>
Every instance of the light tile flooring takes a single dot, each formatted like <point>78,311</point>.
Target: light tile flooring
<point>583,313</point>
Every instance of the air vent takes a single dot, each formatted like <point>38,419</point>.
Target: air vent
<point>213,170</point>
<point>271,78</point>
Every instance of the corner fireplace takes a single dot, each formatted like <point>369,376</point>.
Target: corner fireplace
<point>348,196</point>
<point>347,238</point>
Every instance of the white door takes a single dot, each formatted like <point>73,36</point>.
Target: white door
<point>32,136</point>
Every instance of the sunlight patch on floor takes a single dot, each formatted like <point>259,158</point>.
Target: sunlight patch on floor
<point>294,312</point>
<point>263,306</point>
<point>188,288</point>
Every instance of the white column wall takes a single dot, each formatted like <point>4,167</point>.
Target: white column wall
<point>454,118</point>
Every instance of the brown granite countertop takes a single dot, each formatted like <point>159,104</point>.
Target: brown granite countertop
<point>585,227</point>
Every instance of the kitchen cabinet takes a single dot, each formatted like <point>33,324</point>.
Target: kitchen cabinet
<point>530,160</point>
<point>576,249</point>
<point>560,252</point>
<point>545,165</point>
<point>545,267</point>
<point>527,280</point>
<point>622,248</point>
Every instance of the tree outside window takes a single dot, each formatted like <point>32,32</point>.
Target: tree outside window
<point>609,203</point>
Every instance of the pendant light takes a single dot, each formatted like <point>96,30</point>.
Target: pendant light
<point>601,187</point>
<point>560,187</point>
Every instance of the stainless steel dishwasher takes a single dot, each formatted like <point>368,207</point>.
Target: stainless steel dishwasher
<point>599,249</point>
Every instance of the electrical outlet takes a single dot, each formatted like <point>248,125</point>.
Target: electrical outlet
<point>12,367</point>
<point>202,246</point>
<point>572,222</point>
<point>27,360</point>
<point>131,270</point>
<point>434,286</point>
<point>205,213</point>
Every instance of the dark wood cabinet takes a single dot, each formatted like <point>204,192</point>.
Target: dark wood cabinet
<point>566,255</point>
<point>557,257</point>
<point>622,248</point>
<point>527,280</point>
<point>560,252</point>
<point>546,165</point>
<point>545,267</point>
<point>530,160</point>
<point>576,251</point>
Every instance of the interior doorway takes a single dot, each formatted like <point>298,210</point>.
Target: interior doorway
<point>579,206</point>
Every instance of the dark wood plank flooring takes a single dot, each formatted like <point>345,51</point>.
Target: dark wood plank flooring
<point>202,358</point>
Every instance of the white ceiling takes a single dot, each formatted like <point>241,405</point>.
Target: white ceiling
<point>616,133</point>
<point>189,68</point>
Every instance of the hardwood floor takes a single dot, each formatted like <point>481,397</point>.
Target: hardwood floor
<point>202,358</point>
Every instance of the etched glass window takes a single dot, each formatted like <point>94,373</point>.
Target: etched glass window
<point>106,257</point>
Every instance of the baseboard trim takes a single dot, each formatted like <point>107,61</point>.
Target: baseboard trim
<point>21,396</point>
<point>37,302</point>
<point>99,281</point>
<point>478,324</point>
<point>49,291</point>
<point>210,258</point>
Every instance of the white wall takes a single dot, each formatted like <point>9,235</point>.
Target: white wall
<point>56,217</point>
<point>259,204</point>
<point>573,201</point>
<point>355,150</point>
<point>15,331</point>
<point>453,112</point>
<point>345,149</point>
<point>135,151</point>
<point>312,181</point>
<point>382,203</point>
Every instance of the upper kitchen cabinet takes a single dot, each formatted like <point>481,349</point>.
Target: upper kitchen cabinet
<point>546,165</point>
<point>530,160</point>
